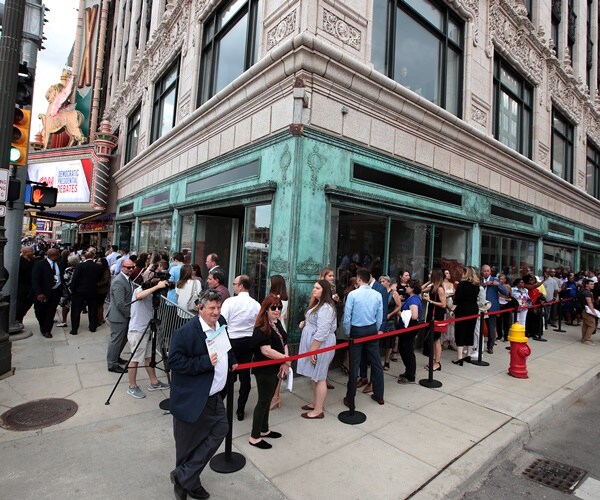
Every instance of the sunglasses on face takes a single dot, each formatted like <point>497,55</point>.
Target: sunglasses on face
<point>276,308</point>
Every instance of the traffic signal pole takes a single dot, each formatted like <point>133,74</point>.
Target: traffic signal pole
<point>10,51</point>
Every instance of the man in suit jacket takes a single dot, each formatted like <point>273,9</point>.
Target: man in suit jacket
<point>46,286</point>
<point>492,287</point>
<point>84,289</point>
<point>119,312</point>
<point>198,379</point>
<point>212,264</point>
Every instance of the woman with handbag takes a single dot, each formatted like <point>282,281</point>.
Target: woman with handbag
<point>187,290</point>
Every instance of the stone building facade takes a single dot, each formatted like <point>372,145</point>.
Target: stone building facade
<point>289,135</point>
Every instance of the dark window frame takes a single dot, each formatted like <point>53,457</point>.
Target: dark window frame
<point>161,90</point>
<point>524,147</point>
<point>133,125</point>
<point>212,36</point>
<point>592,163</point>
<point>442,36</point>
<point>569,139</point>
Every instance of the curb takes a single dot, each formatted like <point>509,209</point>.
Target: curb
<point>458,477</point>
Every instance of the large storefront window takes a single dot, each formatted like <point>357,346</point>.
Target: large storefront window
<point>213,235</point>
<point>256,248</point>
<point>155,236</point>
<point>413,246</point>
<point>590,261</point>
<point>509,255</point>
<point>560,258</point>
<point>186,243</point>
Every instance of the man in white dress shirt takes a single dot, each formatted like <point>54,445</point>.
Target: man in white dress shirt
<point>240,313</point>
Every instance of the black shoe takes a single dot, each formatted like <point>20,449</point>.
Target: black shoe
<point>262,444</point>
<point>117,369</point>
<point>72,332</point>
<point>240,415</point>
<point>122,361</point>
<point>198,493</point>
<point>180,493</point>
<point>271,434</point>
<point>93,330</point>
<point>375,398</point>
<point>539,339</point>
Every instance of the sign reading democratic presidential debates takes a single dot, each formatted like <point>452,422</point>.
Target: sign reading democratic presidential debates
<point>72,178</point>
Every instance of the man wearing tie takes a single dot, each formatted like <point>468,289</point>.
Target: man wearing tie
<point>46,285</point>
<point>118,314</point>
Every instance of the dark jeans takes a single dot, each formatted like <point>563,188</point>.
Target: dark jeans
<point>406,349</point>
<point>491,324</point>
<point>243,354</point>
<point>370,351</point>
<point>266,383</point>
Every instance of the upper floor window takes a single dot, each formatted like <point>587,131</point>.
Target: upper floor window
<point>133,134</point>
<point>529,6</point>
<point>589,49</point>
<point>513,102</point>
<point>562,146</point>
<point>572,31</point>
<point>229,45</point>
<point>556,17</point>
<point>423,42</point>
<point>593,170</point>
<point>165,102</point>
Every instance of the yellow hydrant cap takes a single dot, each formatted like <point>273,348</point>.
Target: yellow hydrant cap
<point>517,333</point>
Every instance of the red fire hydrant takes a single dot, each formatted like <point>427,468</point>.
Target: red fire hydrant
<point>519,351</point>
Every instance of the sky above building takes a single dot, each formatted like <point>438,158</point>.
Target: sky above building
<point>60,33</point>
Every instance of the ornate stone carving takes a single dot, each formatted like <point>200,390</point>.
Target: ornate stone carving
<point>279,265</point>
<point>315,162</point>
<point>309,267</point>
<point>284,28</point>
<point>199,7</point>
<point>514,37</point>
<point>341,30</point>
<point>479,116</point>
<point>469,9</point>
<point>564,92</point>
<point>543,151</point>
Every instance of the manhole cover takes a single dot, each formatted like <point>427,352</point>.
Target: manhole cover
<point>561,477</point>
<point>38,414</point>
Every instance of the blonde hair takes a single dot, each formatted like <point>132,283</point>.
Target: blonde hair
<point>471,275</point>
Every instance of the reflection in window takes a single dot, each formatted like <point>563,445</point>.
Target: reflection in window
<point>511,255</point>
<point>558,257</point>
<point>155,236</point>
<point>133,134</point>
<point>424,48</point>
<point>256,248</point>
<point>165,102</point>
<point>562,147</point>
<point>592,181</point>
<point>186,244</point>
<point>513,100</point>
<point>589,260</point>
<point>230,45</point>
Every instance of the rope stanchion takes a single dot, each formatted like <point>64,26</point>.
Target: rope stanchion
<point>560,329</point>
<point>351,416</point>
<point>429,382</point>
<point>228,461</point>
<point>479,361</point>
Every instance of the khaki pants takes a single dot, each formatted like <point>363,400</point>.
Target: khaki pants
<point>588,327</point>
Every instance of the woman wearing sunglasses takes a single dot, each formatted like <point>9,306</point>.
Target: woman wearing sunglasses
<point>270,339</point>
<point>318,331</point>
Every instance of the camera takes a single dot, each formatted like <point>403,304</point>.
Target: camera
<point>162,275</point>
<point>425,295</point>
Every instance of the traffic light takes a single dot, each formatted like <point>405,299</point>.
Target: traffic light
<point>41,196</point>
<point>20,137</point>
<point>25,82</point>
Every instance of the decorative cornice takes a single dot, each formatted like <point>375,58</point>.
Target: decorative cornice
<point>563,91</point>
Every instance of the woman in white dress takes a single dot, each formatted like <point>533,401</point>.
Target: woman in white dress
<point>318,331</point>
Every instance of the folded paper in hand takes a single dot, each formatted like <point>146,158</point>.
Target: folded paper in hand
<point>218,342</point>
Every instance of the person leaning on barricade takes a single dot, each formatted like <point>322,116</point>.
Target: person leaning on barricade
<point>197,389</point>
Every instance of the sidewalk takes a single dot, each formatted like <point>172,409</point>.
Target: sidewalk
<point>426,442</point>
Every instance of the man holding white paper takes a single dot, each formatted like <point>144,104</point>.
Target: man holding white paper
<point>588,327</point>
<point>197,390</point>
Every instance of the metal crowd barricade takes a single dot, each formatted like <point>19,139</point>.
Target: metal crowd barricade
<point>171,317</point>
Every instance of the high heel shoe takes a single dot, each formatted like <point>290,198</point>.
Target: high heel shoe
<point>458,362</point>
<point>438,369</point>
<point>275,403</point>
<point>467,359</point>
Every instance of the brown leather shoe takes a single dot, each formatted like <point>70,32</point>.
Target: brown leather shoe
<point>48,335</point>
<point>375,398</point>
<point>362,382</point>
<point>368,388</point>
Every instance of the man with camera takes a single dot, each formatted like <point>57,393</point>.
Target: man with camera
<point>139,336</point>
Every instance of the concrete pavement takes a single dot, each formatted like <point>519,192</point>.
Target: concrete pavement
<point>429,443</point>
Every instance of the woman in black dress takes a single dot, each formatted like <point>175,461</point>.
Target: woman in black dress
<point>465,301</point>
<point>436,311</point>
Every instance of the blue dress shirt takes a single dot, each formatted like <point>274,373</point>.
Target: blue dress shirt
<point>364,307</point>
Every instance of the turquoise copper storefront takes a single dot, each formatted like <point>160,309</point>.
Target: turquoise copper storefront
<point>292,205</point>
